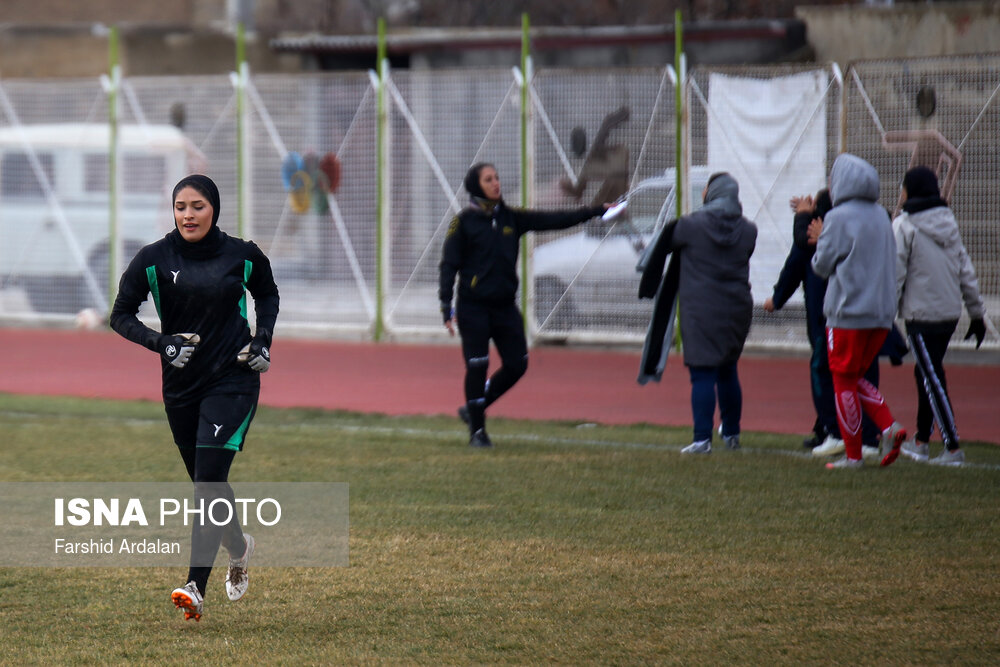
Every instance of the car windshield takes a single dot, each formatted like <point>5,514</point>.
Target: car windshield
<point>652,202</point>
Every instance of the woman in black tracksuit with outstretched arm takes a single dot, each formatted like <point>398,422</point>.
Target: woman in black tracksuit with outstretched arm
<point>198,278</point>
<point>481,248</point>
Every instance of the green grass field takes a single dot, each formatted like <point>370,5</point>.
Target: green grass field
<point>567,544</point>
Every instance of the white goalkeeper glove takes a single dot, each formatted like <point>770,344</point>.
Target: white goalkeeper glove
<point>178,348</point>
<point>255,356</point>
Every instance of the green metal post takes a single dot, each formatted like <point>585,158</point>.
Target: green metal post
<point>240,130</point>
<point>679,113</point>
<point>679,137</point>
<point>380,66</point>
<point>525,162</point>
<point>114,242</point>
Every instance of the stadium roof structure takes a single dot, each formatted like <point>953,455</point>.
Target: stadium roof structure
<point>774,39</point>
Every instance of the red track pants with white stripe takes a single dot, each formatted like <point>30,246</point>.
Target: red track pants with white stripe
<point>851,352</point>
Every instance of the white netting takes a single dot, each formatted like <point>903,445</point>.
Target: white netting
<point>777,128</point>
<point>943,113</point>
<point>320,235</point>
<point>598,134</point>
<point>202,110</point>
<point>441,123</point>
<point>54,203</point>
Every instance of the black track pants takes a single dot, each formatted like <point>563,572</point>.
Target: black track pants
<point>478,323</point>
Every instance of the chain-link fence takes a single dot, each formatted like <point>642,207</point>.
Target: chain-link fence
<point>943,113</point>
<point>775,129</point>
<point>599,134</point>
<point>312,195</point>
<point>53,211</point>
<point>439,125</point>
<point>303,151</point>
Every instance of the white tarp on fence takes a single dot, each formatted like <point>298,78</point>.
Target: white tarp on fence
<point>771,135</point>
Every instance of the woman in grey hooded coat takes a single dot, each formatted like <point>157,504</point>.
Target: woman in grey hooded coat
<point>710,278</point>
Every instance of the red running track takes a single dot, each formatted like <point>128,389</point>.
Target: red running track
<point>561,384</point>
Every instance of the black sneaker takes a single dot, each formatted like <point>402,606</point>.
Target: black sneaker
<point>463,414</point>
<point>480,439</point>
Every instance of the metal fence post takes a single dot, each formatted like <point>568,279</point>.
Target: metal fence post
<point>381,163</point>
<point>681,163</point>
<point>114,190</point>
<point>242,77</point>
<point>526,166</point>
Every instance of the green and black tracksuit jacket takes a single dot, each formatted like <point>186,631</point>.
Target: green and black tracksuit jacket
<point>200,288</point>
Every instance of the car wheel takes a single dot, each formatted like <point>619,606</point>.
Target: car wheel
<point>548,292</point>
<point>55,294</point>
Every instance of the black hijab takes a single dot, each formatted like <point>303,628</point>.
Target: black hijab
<point>212,243</point>
<point>922,190</point>
<point>471,182</point>
<point>475,190</point>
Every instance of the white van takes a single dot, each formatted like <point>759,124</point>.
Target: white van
<point>55,209</point>
<point>588,279</point>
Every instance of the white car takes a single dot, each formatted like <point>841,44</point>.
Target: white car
<point>55,206</point>
<point>588,279</point>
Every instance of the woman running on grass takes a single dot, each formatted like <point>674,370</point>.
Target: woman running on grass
<point>198,278</point>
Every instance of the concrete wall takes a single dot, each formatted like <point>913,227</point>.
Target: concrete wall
<point>67,38</point>
<point>856,32</point>
<point>28,54</point>
<point>54,38</point>
<point>54,13</point>
<point>147,53</point>
<point>52,53</point>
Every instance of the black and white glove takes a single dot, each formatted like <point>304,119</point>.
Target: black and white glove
<point>977,328</point>
<point>255,356</point>
<point>178,348</point>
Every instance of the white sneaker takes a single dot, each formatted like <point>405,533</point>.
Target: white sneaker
<point>949,457</point>
<point>869,453</point>
<point>844,462</point>
<point>918,451</point>
<point>892,441</point>
<point>189,599</point>
<point>237,579</point>
<point>699,447</point>
<point>830,447</point>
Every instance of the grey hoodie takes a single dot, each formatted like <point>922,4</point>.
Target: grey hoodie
<point>934,274</point>
<point>856,250</point>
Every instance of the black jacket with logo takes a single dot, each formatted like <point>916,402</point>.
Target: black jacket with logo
<point>482,246</point>
<point>200,291</point>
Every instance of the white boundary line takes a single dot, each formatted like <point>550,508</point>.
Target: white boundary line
<point>438,434</point>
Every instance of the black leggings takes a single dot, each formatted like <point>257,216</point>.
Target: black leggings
<point>208,468</point>
<point>478,323</point>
